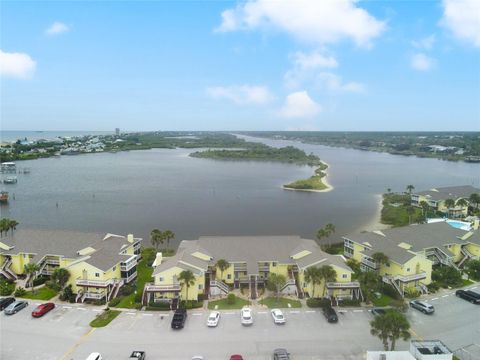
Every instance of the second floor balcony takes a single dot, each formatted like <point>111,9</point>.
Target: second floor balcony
<point>94,283</point>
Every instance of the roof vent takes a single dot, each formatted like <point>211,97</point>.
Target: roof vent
<point>382,356</point>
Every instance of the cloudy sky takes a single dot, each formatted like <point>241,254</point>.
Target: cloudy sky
<point>254,65</point>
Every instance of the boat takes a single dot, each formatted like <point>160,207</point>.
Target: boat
<point>8,167</point>
<point>10,180</point>
<point>3,197</point>
<point>472,159</point>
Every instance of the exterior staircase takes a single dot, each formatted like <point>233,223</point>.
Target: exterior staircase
<point>467,255</point>
<point>115,289</point>
<point>219,284</point>
<point>5,270</point>
<point>389,280</point>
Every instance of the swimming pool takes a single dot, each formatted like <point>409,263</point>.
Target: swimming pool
<point>459,224</point>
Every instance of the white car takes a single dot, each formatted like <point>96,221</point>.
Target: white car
<point>213,319</point>
<point>246,316</point>
<point>277,316</point>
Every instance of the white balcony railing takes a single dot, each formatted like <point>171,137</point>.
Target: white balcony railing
<point>128,266</point>
<point>52,261</point>
<point>130,277</point>
<point>408,278</point>
<point>91,295</point>
<point>95,283</point>
<point>343,285</point>
<point>162,288</point>
<point>369,263</point>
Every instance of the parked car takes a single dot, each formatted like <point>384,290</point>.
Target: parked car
<point>330,314</point>
<point>469,295</point>
<point>94,356</point>
<point>15,307</point>
<point>281,354</point>
<point>236,357</point>
<point>246,316</point>
<point>277,316</point>
<point>422,306</point>
<point>42,309</point>
<point>4,302</point>
<point>142,355</point>
<point>213,319</point>
<point>179,318</point>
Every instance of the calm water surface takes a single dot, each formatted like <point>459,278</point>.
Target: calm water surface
<point>139,190</point>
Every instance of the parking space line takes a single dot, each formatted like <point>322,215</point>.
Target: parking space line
<point>357,311</point>
<point>340,311</point>
<point>197,314</point>
<point>83,309</point>
<point>131,313</point>
<point>66,307</point>
<point>444,296</point>
<point>262,312</point>
<point>434,299</point>
<point>294,312</point>
<point>147,314</point>
<point>96,310</point>
<point>310,311</point>
<point>229,313</point>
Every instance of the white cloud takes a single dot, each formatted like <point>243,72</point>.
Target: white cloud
<point>421,62</point>
<point>299,105</point>
<point>318,21</point>
<point>426,43</point>
<point>333,82</point>
<point>241,94</point>
<point>462,17</point>
<point>305,66</point>
<point>18,65</point>
<point>57,28</point>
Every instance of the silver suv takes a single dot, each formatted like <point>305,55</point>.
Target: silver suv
<point>422,306</point>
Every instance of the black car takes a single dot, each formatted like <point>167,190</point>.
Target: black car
<point>469,295</point>
<point>179,318</point>
<point>281,354</point>
<point>4,302</point>
<point>330,314</point>
<point>138,355</point>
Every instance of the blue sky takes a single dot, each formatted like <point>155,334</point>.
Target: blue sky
<point>255,65</point>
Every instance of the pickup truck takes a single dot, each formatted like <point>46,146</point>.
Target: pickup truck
<point>179,318</point>
<point>142,355</point>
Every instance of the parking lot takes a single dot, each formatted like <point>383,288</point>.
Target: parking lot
<point>65,334</point>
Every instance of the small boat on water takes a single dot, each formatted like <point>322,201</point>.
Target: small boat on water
<point>10,180</point>
<point>3,197</point>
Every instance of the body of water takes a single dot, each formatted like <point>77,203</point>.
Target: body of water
<point>136,191</point>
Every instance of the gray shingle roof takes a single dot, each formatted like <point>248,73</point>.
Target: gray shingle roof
<point>451,192</point>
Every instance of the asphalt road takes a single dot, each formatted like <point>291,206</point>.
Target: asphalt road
<point>65,334</point>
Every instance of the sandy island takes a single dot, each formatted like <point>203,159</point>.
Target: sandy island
<point>324,181</point>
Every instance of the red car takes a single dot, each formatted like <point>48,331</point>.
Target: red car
<point>42,309</point>
<point>236,357</point>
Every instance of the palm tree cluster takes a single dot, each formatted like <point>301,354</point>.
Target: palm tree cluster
<point>158,237</point>
<point>390,326</point>
<point>326,231</point>
<point>316,275</point>
<point>187,279</point>
<point>6,225</point>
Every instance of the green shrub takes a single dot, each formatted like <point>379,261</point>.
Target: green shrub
<point>149,255</point>
<point>447,276</point>
<point>6,287</point>
<point>472,268</point>
<point>127,289</point>
<point>20,292</point>
<point>389,290</point>
<point>412,293</point>
<point>433,287</point>
<point>40,280</point>
<point>52,285</point>
<point>67,294</point>
<point>231,299</point>
<point>201,297</point>
<point>190,304</point>
<point>115,301</point>
<point>318,303</point>
<point>161,305</point>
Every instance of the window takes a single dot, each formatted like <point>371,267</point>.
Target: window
<point>200,287</point>
<point>274,263</point>
<point>114,268</point>
<point>229,276</point>
<point>160,279</point>
<point>387,264</point>
<point>344,276</point>
<point>408,269</point>
<point>97,275</point>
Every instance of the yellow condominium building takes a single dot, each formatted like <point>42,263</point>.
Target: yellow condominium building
<point>412,250</point>
<point>99,264</point>
<point>250,260</point>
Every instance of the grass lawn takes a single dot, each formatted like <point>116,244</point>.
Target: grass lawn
<point>43,293</point>
<point>273,302</point>
<point>224,305</point>
<point>384,300</point>
<point>466,282</point>
<point>144,274</point>
<point>104,318</point>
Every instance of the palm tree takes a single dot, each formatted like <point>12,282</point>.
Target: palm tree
<point>449,203</point>
<point>475,199</point>
<point>156,238</point>
<point>13,225</point>
<point>187,279</point>
<point>312,276</point>
<point>30,270</point>
<point>380,258</point>
<point>392,326</point>
<point>389,190</point>
<point>168,235</point>
<point>425,208</point>
<point>275,282</point>
<point>222,265</point>
<point>61,276</point>
<point>410,188</point>
<point>410,212</point>
<point>326,231</point>
<point>328,274</point>
<point>462,202</point>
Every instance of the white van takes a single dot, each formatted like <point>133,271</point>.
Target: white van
<point>94,356</point>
